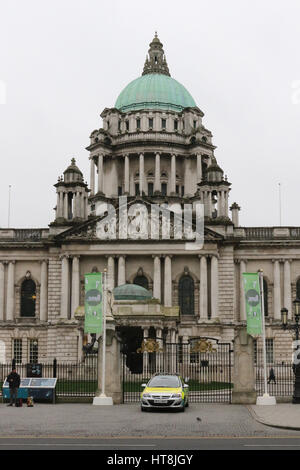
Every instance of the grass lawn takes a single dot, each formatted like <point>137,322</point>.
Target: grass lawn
<point>194,386</point>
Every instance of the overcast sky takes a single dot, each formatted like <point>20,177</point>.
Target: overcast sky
<point>62,62</point>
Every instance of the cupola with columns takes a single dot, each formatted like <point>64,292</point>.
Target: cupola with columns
<point>153,142</point>
<point>213,191</point>
<point>72,196</point>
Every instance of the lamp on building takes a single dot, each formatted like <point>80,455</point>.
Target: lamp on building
<point>296,304</point>
<point>284,317</point>
<point>296,355</point>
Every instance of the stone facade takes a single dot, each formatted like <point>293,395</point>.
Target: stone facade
<point>158,154</point>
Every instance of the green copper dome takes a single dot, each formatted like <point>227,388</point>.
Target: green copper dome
<point>131,292</point>
<point>154,91</point>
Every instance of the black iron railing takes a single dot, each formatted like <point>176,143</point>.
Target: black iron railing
<point>73,379</point>
<point>280,378</point>
<point>208,374</point>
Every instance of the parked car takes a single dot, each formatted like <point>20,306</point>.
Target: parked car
<point>165,391</point>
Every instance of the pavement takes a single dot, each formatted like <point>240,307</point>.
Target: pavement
<point>283,415</point>
<point>127,421</point>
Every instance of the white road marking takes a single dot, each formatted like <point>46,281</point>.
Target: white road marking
<point>80,445</point>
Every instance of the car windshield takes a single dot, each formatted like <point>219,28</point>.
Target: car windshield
<point>164,381</point>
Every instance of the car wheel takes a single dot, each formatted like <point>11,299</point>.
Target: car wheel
<point>182,409</point>
<point>187,404</point>
<point>143,408</point>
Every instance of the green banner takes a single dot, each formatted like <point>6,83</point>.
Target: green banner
<point>253,303</point>
<point>93,303</point>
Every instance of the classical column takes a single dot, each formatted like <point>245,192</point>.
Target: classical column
<point>199,168</point>
<point>226,203</point>
<point>57,205</point>
<point>92,177</point>
<point>100,173</point>
<point>142,170</point>
<point>243,269</point>
<point>214,286</point>
<point>121,270</point>
<point>75,299</point>
<point>111,272</point>
<point>157,277</point>
<point>61,204</point>
<point>10,292</point>
<point>287,302</point>
<point>168,281</point>
<point>203,288</point>
<point>44,290</point>
<point>209,203</point>
<point>66,215</point>
<point>173,175</point>
<point>126,173</point>
<point>2,267</point>
<point>277,294</point>
<point>65,287</point>
<point>82,205</point>
<point>157,185</point>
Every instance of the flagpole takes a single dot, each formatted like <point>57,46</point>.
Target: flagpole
<point>266,399</point>
<point>261,283</point>
<point>102,399</point>
<point>104,335</point>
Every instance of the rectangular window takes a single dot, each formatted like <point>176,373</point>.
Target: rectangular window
<point>138,123</point>
<point>127,125</point>
<point>195,124</point>
<point>119,125</point>
<point>175,125</point>
<point>17,350</point>
<point>33,351</point>
<point>177,190</point>
<point>163,123</point>
<point>151,123</point>
<point>182,191</point>
<point>150,189</point>
<point>119,190</point>
<point>164,189</point>
<point>137,189</point>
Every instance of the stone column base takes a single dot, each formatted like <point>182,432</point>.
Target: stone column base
<point>102,400</point>
<point>247,398</point>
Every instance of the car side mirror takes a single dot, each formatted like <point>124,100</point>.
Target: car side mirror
<point>144,385</point>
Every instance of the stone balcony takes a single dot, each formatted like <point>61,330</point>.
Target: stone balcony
<point>28,235</point>
<point>267,233</point>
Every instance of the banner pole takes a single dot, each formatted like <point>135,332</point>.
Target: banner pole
<point>103,399</point>
<point>104,334</point>
<point>266,399</point>
<point>260,273</point>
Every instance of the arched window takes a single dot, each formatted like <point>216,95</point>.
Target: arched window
<point>265,285</point>
<point>28,297</point>
<point>141,280</point>
<point>186,291</point>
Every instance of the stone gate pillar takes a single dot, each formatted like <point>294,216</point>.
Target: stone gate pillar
<point>243,371</point>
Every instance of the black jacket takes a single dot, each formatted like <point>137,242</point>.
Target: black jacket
<point>14,380</point>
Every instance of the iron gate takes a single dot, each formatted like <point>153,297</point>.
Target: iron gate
<point>204,363</point>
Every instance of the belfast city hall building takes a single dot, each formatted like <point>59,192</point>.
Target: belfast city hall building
<point>152,148</point>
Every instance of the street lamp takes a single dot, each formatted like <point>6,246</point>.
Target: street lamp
<point>296,357</point>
